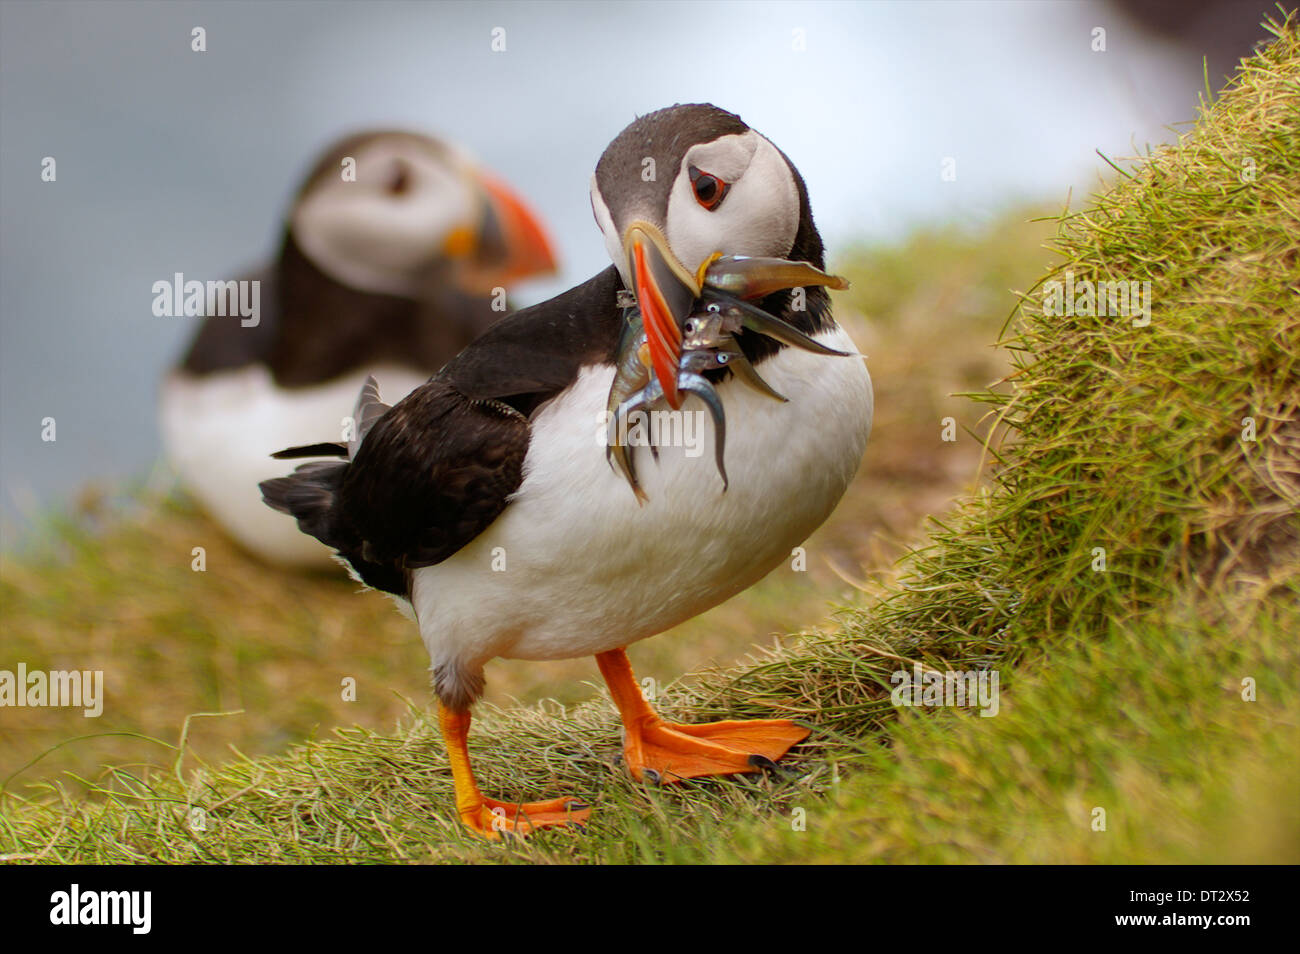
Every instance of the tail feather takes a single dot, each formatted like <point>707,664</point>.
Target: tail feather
<point>369,409</point>
<point>311,495</point>
<point>312,450</point>
<point>308,495</point>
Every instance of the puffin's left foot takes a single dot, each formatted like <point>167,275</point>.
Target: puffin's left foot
<point>670,752</point>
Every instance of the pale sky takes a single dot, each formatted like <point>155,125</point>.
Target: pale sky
<point>171,160</point>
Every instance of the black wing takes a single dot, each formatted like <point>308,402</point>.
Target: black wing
<point>431,475</point>
<point>434,471</point>
<point>537,353</point>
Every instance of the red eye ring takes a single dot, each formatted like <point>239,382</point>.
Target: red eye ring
<point>709,189</point>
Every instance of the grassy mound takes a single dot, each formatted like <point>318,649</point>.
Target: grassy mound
<point>1137,558</point>
<point>114,589</point>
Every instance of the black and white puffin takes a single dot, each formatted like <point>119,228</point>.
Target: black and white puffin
<point>387,267</point>
<point>484,498</point>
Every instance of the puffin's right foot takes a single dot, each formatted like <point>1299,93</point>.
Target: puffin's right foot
<point>491,817</point>
<point>487,816</point>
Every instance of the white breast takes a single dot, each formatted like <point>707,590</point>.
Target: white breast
<point>575,567</point>
<point>219,431</point>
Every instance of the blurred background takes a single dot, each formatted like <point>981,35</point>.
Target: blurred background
<point>171,160</point>
<point>175,161</point>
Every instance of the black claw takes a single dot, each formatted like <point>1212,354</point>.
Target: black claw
<point>764,763</point>
<point>651,775</point>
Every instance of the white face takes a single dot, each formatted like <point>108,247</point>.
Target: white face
<point>382,231</point>
<point>758,216</point>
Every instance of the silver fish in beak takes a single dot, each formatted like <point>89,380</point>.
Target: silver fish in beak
<point>705,341</point>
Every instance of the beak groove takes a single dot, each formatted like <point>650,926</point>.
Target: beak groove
<point>666,293</point>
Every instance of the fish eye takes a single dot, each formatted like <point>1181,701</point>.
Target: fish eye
<point>723,358</point>
<point>689,327</point>
<point>714,308</point>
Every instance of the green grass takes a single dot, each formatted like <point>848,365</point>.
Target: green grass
<point>111,587</point>
<point>1122,687</point>
<point>1147,723</point>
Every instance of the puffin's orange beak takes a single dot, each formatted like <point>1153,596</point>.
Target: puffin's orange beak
<point>665,292</point>
<point>509,242</point>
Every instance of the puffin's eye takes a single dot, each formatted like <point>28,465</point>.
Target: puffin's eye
<point>709,189</point>
<point>399,179</point>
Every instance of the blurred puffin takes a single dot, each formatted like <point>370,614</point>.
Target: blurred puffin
<point>484,498</point>
<point>389,265</point>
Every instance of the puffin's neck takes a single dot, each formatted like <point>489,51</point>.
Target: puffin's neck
<point>327,329</point>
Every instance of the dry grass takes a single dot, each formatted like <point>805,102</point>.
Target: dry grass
<point>111,586</point>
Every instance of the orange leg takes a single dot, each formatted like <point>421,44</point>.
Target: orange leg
<point>487,816</point>
<point>672,752</point>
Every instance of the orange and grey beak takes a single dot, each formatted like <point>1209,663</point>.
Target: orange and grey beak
<point>665,292</point>
<point>509,242</point>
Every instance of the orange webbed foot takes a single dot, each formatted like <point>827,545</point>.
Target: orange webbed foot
<point>669,752</point>
<point>491,817</point>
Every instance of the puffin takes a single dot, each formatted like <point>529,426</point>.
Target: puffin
<point>395,255</point>
<point>484,503</point>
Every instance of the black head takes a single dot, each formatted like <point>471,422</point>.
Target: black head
<point>679,187</point>
<point>708,183</point>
